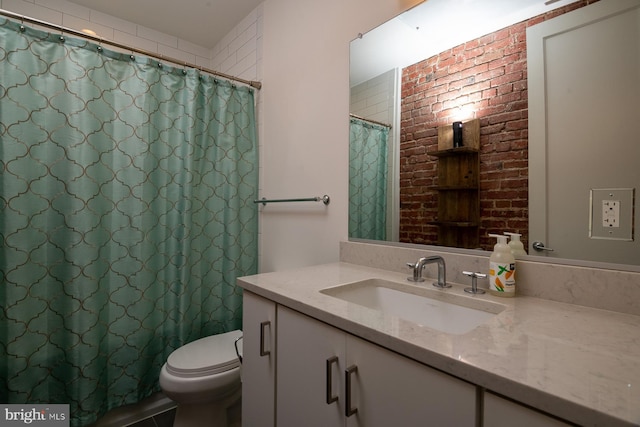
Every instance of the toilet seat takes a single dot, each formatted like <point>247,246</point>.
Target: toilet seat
<point>207,356</point>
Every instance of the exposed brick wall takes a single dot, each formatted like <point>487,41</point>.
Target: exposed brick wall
<point>487,76</point>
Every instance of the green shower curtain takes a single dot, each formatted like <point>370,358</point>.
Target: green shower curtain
<point>126,214</point>
<point>367,180</point>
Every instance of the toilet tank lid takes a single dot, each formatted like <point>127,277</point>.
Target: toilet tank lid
<point>206,356</point>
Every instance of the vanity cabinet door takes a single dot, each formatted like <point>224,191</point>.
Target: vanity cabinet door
<point>392,390</point>
<point>499,412</point>
<point>311,357</point>
<point>259,361</point>
<point>327,377</point>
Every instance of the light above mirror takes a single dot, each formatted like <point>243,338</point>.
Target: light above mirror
<point>424,32</point>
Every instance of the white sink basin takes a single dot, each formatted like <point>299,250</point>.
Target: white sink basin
<point>436,309</point>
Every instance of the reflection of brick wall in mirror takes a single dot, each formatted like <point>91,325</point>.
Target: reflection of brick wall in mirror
<point>485,78</point>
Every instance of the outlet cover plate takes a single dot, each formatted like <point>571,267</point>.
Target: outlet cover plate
<point>611,214</point>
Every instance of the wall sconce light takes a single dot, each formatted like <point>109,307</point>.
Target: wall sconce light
<point>457,134</point>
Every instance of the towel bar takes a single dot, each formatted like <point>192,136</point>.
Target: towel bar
<point>325,199</point>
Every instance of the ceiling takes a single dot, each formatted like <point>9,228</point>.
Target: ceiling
<point>206,22</point>
<point>203,22</point>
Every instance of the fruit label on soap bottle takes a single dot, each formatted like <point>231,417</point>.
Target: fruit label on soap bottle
<point>502,277</point>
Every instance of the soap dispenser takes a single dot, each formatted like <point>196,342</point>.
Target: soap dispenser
<point>515,244</point>
<point>502,269</point>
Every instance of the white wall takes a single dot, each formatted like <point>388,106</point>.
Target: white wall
<point>306,126</point>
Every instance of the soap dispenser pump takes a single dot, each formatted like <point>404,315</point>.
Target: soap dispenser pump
<point>502,269</point>
<point>515,244</point>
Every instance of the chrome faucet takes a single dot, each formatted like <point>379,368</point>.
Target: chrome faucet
<point>419,266</point>
<point>417,270</point>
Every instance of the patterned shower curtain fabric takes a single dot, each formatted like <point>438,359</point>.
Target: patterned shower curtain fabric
<point>367,180</point>
<point>126,198</point>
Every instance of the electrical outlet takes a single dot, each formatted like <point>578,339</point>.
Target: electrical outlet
<point>611,213</point>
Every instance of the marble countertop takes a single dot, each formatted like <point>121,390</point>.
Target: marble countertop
<point>578,363</point>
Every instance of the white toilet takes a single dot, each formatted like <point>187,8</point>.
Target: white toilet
<point>203,378</point>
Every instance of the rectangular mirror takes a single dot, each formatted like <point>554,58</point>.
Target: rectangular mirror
<point>446,61</point>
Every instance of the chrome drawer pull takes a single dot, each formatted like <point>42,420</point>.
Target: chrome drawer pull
<point>348,410</point>
<point>330,397</point>
<point>264,324</point>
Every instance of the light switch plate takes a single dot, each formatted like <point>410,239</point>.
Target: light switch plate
<point>611,214</point>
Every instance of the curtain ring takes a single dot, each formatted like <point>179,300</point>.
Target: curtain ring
<point>22,27</point>
<point>184,70</point>
<point>100,45</point>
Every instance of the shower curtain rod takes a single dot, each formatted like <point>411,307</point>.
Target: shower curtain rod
<point>23,18</point>
<point>369,120</point>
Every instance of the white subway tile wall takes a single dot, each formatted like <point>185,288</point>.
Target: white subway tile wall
<point>236,55</point>
<point>374,99</point>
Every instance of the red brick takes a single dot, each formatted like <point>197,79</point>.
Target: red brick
<point>488,73</point>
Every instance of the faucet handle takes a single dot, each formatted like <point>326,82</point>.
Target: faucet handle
<point>417,272</point>
<point>474,282</point>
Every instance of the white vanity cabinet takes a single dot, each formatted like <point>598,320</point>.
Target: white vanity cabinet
<point>259,361</point>
<point>500,412</point>
<point>327,377</point>
<point>306,350</point>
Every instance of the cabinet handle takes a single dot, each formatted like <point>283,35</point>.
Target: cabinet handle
<point>330,397</point>
<point>264,324</point>
<point>348,410</point>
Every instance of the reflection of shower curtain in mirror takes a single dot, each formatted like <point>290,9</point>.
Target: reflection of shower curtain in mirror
<point>126,214</point>
<point>367,180</point>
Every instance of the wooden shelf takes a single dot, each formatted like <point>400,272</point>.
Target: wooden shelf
<point>470,136</point>
<point>456,188</point>
<point>460,224</point>
<point>458,185</point>
<point>453,152</point>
